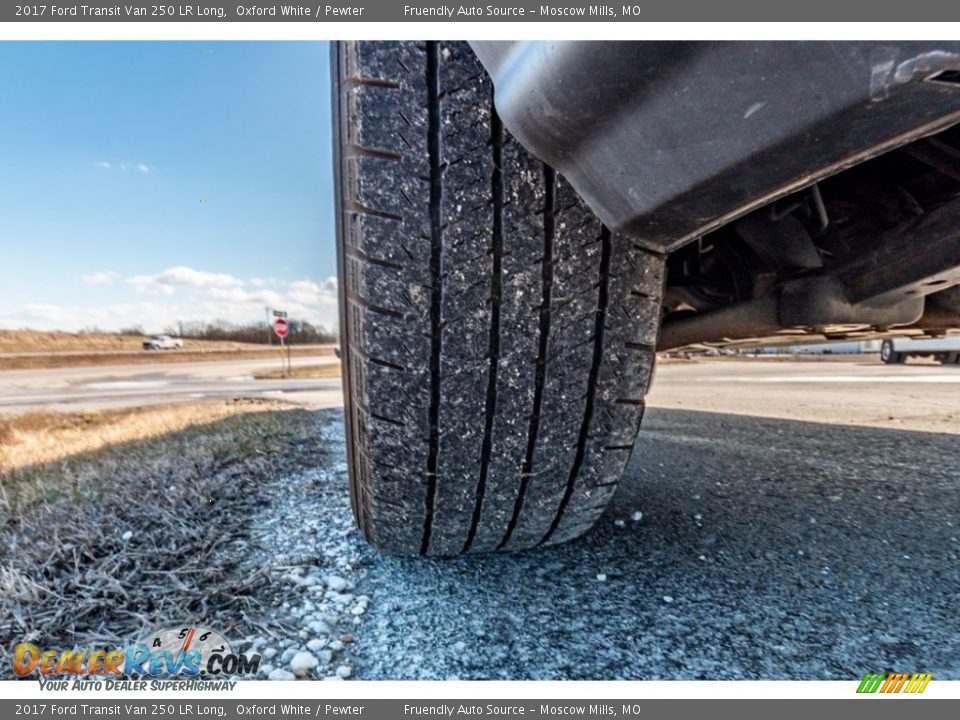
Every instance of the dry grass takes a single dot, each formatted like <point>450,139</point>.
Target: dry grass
<point>43,437</point>
<point>32,341</point>
<point>97,547</point>
<point>306,372</point>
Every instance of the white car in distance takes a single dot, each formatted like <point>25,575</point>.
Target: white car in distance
<point>162,342</point>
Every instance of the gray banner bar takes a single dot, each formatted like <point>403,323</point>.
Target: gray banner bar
<point>172,709</point>
<point>567,11</point>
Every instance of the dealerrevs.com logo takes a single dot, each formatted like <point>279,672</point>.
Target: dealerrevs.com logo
<point>182,651</point>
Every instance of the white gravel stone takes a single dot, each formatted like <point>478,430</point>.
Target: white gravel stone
<point>637,516</point>
<point>344,671</point>
<point>319,627</point>
<point>127,535</point>
<point>619,523</point>
<point>602,577</point>
<point>269,653</point>
<point>336,583</point>
<point>287,655</point>
<point>303,662</point>
<point>316,644</point>
<point>281,674</point>
<point>668,599</point>
<point>336,645</point>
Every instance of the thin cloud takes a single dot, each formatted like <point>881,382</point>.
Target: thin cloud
<point>141,167</point>
<point>187,276</point>
<point>100,278</point>
<point>308,292</point>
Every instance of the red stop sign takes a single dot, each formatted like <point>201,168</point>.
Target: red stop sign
<point>281,328</point>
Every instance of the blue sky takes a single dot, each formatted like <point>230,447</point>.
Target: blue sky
<point>147,182</point>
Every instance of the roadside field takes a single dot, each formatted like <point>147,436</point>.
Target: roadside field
<point>28,361</point>
<point>307,372</point>
<point>37,341</point>
<point>43,437</point>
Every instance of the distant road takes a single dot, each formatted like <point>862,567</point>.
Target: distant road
<point>118,386</point>
<point>859,390</point>
<point>855,392</point>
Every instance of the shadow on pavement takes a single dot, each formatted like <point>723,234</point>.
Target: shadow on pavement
<point>768,549</point>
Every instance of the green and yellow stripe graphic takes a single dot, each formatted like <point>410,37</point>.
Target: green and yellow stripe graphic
<point>894,682</point>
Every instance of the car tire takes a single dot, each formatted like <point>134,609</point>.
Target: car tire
<point>497,340</point>
<point>891,356</point>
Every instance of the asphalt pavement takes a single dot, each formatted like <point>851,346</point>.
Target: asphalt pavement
<point>120,386</point>
<point>740,545</point>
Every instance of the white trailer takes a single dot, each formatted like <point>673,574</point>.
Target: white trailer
<point>944,349</point>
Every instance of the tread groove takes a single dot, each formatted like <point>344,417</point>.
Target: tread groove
<point>384,363</point>
<point>352,205</point>
<point>367,305</point>
<point>596,362</point>
<point>374,82</point>
<point>354,151</point>
<point>543,343</point>
<point>386,419</point>
<point>356,254</point>
<point>496,291</point>
<point>354,348</point>
<point>434,129</point>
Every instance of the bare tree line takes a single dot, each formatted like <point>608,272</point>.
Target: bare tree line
<point>301,332</point>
